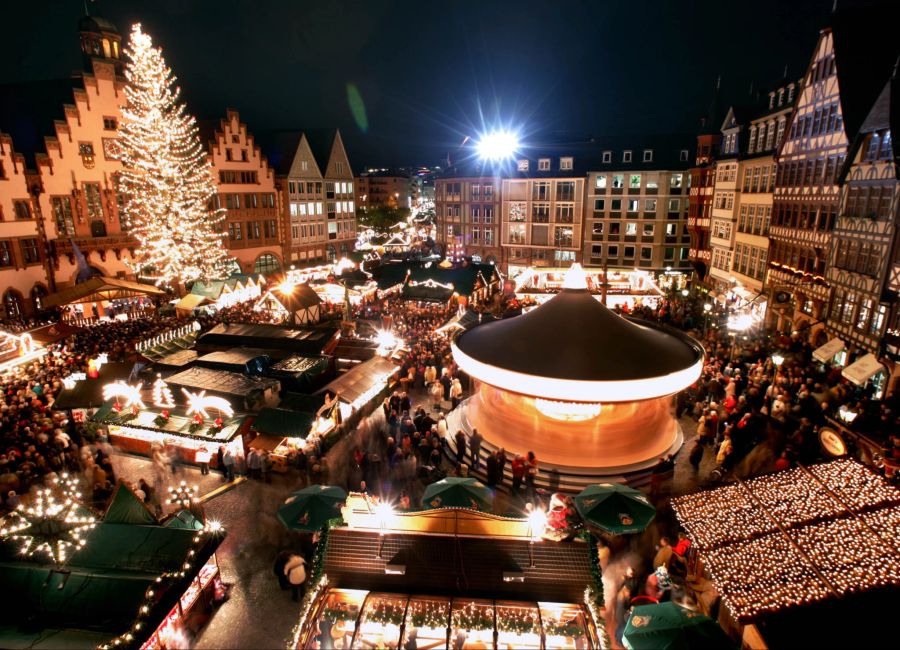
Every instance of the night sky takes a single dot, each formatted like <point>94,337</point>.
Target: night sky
<point>428,73</point>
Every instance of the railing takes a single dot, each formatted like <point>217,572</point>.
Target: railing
<point>170,335</point>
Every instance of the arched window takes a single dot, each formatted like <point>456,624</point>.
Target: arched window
<point>344,249</point>
<point>38,293</point>
<point>267,264</point>
<point>12,303</point>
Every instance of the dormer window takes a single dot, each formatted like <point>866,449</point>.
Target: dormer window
<point>544,165</point>
<point>626,156</point>
<point>790,93</point>
<point>565,163</point>
<point>780,96</point>
<point>523,165</point>
<point>607,156</point>
<point>683,156</point>
<point>648,155</point>
<point>771,101</point>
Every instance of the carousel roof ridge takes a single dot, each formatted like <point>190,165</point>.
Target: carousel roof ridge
<point>589,347</point>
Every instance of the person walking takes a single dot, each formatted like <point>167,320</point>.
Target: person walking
<point>202,457</point>
<point>228,464</point>
<point>437,393</point>
<point>475,445</point>
<point>456,392</point>
<point>460,447</point>
<point>295,571</point>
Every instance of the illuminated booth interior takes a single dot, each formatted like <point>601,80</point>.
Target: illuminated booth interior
<point>577,384</point>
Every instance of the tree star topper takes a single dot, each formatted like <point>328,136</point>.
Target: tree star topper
<point>199,402</point>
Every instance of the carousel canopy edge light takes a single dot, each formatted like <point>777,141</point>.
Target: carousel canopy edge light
<point>574,390</point>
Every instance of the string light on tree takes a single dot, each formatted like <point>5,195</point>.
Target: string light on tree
<point>182,495</point>
<point>54,523</point>
<point>166,177</point>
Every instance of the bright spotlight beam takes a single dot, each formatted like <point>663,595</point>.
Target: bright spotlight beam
<point>497,145</point>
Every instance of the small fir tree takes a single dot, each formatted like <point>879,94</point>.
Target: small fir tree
<point>166,179</point>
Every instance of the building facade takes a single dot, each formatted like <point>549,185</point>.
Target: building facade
<point>246,191</point>
<point>702,189</point>
<point>542,213</point>
<point>806,197</point>
<point>467,210</point>
<point>315,186</point>
<point>636,210</point>
<point>376,188</point>
<point>862,268</point>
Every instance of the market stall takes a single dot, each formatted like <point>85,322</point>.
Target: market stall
<point>362,383</point>
<point>282,431</point>
<point>241,391</point>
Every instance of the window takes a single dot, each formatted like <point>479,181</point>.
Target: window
<point>339,167</point>
<point>488,237</point>
<point>235,232</point>
<point>646,252</point>
<point>648,230</point>
<point>629,252</point>
<point>614,227</point>
<point>607,156</point>
<point>92,198</point>
<point>62,214</point>
<point>565,213</point>
<point>565,191</point>
<point>648,155</point>
<point>271,228</point>
<point>671,230</point>
<point>30,254</point>
<point>544,164</point>
<point>540,213</point>
<point>675,181</point>
<point>634,182</point>
<point>596,251</point>
<point>633,205</point>
<point>517,211</point>
<point>631,229</point>
<point>6,254</point>
<point>598,228</point>
<point>562,237</point>
<point>540,191</point>
<point>516,233</point>
<point>565,163</point>
<point>22,209</point>
<point>669,254</point>
<point>618,181</point>
<point>649,205</point>
<point>626,156</point>
<point>476,214</point>
<point>522,165</point>
<point>612,251</point>
<point>267,264</point>
<point>109,123</point>
<point>652,182</point>
<point>617,205</point>
<point>253,230</point>
<point>600,181</point>
<point>674,205</point>
<point>599,204</point>
<point>683,156</point>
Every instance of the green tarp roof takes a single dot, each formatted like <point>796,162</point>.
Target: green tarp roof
<point>281,422</point>
<point>126,508</point>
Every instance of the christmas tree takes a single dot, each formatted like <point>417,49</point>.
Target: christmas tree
<point>166,179</point>
<point>162,394</point>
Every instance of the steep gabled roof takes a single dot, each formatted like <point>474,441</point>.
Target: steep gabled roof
<point>863,59</point>
<point>321,141</point>
<point>279,148</point>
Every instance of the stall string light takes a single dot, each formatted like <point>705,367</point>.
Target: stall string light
<point>160,585</point>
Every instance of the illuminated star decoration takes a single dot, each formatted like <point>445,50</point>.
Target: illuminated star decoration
<point>53,524</point>
<point>199,402</point>
<point>119,389</point>
<point>162,394</point>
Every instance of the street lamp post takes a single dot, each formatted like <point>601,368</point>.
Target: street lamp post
<point>777,359</point>
<point>707,307</point>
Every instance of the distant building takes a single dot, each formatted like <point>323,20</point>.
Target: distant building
<point>247,193</point>
<point>467,209</point>
<point>385,188</point>
<point>315,184</point>
<point>702,184</point>
<point>636,205</point>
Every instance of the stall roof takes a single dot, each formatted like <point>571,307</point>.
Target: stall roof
<point>863,369</point>
<point>236,356</point>
<point>98,289</point>
<point>88,393</point>
<point>100,592</point>
<point>308,341</point>
<point>458,565</point>
<point>826,352</point>
<point>285,423</point>
<point>178,359</point>
<point>359,379</point>
<point>51,333</point>
<point>178,424</point>
<point>191,300</point>
<point>220,381</point>
<point>305,403</point>
<point>299,365</point>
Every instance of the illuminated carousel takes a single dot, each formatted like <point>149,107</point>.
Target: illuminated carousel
<point>590,392</point>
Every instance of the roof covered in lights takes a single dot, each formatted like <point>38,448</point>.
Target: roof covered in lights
<point>807,535</point>
<point>573,348</point>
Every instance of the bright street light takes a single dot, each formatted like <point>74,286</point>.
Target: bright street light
<point>777,359</point>
<point>497,145</point>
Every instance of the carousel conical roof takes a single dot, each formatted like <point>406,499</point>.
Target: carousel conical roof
<point>573,347</point>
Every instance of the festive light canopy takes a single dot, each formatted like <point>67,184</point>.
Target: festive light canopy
<point>796,536</point>
<point>166,178</point>
<point>54,523</point>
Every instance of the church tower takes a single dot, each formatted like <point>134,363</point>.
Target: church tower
<point>100,40</point>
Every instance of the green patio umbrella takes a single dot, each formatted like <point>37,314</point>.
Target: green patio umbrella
<point>615,508</point>
<point>667,626</point>
<point>309,508</point>
<point>454,492</point>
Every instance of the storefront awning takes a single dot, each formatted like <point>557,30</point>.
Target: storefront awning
<point>826,352</point>
<point>863,369</point>
<point>266,442</point>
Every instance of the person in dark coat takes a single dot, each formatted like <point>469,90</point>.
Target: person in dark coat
<point>492,470</point>
<point>501,464</point>
<point>280,562</point>
<point>460,447</point>
<point>475,445</point>
<point>446,382</point>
